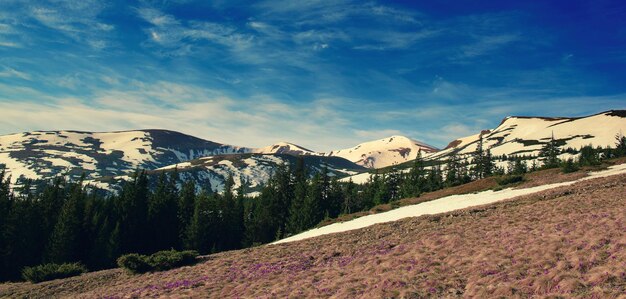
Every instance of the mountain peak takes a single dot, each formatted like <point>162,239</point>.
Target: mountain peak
<point>284,147</point>
<point>384,152</point>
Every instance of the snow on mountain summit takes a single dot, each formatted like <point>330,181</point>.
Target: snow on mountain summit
<point>526,135</point>
<point>284,148</point>
<point>384,152</point>
<point>45,154</point>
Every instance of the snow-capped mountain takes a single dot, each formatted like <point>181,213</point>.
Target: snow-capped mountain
<point>45,154</point>
<point>284,148</point>
<point>523,135</point>
<point>384,152</point>
<point>251,170</point>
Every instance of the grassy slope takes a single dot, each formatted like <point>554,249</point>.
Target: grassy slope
<point>566,241</point>
<point>536,178</point>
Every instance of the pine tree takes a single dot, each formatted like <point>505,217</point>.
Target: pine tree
<point>488,164</point>
<point>588,156</point>
<point>203,229</point>
<point>186,202</point>
<point>296,222</point>
<point>620,145</point>
<point>132,210</point>
<point>335,198</point>
<point>350,199</point>
<point>163,214</point>
<point>313,205</point>
<point>394,181</point>
<point>434,180</point>
<point>479,160</point>
<point>550,154</point>
<point>382,190</point>
<point>413,184</point>
<point>66,243</point>
<point>453,171</point>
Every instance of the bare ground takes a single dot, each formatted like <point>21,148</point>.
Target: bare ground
<point>563,242</point>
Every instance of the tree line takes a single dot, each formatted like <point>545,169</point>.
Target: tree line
<point>68,221</point>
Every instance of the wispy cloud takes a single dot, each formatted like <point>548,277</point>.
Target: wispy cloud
<point>77,19</point>
<point>13,73</point>
<point>487,44</point>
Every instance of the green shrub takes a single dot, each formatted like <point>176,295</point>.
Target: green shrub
<point>52,271</point>
<point>134,263</point>
<point>509,179</point>
<point>160,261</point>
<point>569,166</point>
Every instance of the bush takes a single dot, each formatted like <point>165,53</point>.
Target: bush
<point>160,261</point>
<point>569,166</point>
<point>509,179</point>
<point>52,271</point>
<point>134,263</point>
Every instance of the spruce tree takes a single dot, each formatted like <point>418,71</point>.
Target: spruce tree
<point>186,202</point>
<point>313,205</point>
<point>66,243</point>
<point>163,214</point>
<point>296,221</point>
<point>350,199</point>
<point>620,145</point>
<point>550,154</point>
<point>132,210</point>
<point>588,156</point>
<point>478,160</point>
<point>453,171</point>
<point>413,184</point>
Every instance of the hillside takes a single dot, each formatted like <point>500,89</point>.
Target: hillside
<point>526,135</point>
<point>565,241</point>
<point>45,154</point>
<point>252,170</point>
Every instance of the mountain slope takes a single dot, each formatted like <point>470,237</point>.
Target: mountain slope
<point>384,152</point>
<point>520,135</point>
<point>251,170</point>
<point>44,154</point>
<point>539,245</point>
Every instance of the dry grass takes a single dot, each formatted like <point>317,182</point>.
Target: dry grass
<point>564,242</point>
<point>537,178</point>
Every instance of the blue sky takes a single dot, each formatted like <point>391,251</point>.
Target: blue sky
<point>322,74</point>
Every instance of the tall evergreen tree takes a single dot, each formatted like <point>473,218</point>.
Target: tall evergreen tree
<point>350,200</point>
<point>186,203</point>
<point>620,145</point>
<point>413,184</point>
<point>550,154</point>
<point>296,221</point>
<point>163,214</point>
<point>478,160</point>
<point>204,224</point>
<point>67,240</point>
<point>132,210</point>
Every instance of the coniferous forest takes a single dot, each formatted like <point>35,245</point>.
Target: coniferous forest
<point>68,221</point>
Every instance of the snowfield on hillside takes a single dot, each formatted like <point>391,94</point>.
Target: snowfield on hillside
<point>384,152</point>
<point>442,205</point>
<point>527,135</point>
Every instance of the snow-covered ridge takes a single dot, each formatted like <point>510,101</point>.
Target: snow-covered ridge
<point>251,170</point>
<point>384,152</point>
<point>521,135</point>
<point>45,154</point>
<point>284,148</point>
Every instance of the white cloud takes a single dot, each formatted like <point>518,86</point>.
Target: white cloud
<point>13,73</point>
<point>197,111</point>
<point>78,20</point>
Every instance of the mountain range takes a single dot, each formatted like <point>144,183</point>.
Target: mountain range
<point>108,157</point>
